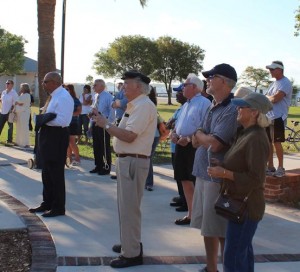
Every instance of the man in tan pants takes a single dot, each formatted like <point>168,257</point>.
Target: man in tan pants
<point>132,143</point>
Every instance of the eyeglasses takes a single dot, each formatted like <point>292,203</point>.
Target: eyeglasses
<point>46,81</point>
<point>213,76</point>
<point>187,84</point>
<point>7,83</point>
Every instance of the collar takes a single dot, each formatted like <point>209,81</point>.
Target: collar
<point>225,102</point>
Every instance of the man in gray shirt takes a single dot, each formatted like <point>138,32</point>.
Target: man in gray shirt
<point>212,141</point>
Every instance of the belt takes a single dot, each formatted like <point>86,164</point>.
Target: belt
<point>132,155</point>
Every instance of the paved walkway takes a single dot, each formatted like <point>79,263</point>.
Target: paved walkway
<point>82,240</point>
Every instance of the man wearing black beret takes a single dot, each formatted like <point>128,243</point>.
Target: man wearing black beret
<point>132,143</point>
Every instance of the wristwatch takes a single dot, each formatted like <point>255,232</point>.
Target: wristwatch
<point>107,126</point>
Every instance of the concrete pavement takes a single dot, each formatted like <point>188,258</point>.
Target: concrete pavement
<point>82,240</point>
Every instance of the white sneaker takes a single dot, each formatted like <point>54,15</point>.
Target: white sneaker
<point>270,171</point>
<point>75,163</point>
<point>279,173</point>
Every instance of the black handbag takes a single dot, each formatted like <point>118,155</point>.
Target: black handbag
<point>231,208</point>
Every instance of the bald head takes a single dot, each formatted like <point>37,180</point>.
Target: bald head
<point>52,81</point>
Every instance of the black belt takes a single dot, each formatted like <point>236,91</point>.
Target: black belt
<point>132,155</point>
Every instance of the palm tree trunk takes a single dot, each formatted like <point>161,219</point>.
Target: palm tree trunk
<point>46,48</point>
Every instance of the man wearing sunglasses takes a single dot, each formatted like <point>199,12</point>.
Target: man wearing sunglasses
<point>280,95</point>
<point>213,140</point>
<point>8,98</point>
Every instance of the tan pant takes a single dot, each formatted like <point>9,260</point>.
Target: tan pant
<point>131,176</point>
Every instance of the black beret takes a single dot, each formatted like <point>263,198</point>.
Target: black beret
<point>135,74</point>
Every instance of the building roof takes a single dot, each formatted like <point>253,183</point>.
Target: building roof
<point>30,65</point>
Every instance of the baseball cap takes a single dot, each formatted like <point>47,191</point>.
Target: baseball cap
<point>179,88</point>
<point>254,101</point>
<point>222,69</point>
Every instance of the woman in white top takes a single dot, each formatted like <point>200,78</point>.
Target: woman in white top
<point>86,102</point>
<point>22,108</point>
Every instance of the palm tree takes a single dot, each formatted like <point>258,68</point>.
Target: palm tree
<point>46,49</point>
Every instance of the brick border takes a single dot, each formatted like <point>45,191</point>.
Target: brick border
<point>45,259</point>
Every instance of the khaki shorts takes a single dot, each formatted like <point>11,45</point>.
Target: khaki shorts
<point>204,216</point>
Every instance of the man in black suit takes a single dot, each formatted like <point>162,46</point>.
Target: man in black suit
<point>53,144</point>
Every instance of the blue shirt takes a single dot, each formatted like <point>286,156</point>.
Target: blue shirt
<point>123,103</point>
<point>175,117</point>
<point>102,103</point>
<point>221,122</point>
<point>192,115</point>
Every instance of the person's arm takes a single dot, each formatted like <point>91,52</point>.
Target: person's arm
<point>200,138</point>
<point>276,97</point>
<point>120,133</point>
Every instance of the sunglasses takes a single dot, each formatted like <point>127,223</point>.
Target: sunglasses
<point>7,83</point>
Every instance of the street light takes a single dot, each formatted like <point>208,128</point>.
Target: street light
<point>62,59</point>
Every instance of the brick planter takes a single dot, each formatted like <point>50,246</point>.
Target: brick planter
<point>285,189</point>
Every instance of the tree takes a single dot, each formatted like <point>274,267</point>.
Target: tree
<point>297,22</point>
<point>126,53</point>
<point>89,80</point>
<point>255,78</point>
<point>11,53</point>
<point>46,48</point>
<point>175,61</point>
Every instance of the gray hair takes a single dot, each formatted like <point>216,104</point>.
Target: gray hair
<point>101,81</point>
<point>263,120</point>
<point>25,87</point>
<point>145,88</point>
<point>230,83</point>
<point>196,80</point>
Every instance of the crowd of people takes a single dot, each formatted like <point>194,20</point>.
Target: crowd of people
<point>220,140</point>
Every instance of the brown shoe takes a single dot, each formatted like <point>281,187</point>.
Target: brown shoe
<point>183,221</point>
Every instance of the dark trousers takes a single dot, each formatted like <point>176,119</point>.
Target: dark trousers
<point>83,122</point>
<point>3,120</point>
<point>101,149</point>
<point>179,183</point>
<point>53,144</point>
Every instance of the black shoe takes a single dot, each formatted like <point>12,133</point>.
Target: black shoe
<point>118,248</point>
<point>149,188</point>
<point>182,209</point>
<point>183,221</point>
<point>121,261</point>
<point>52,213</point>
<point>175,204</point>
<point>95,170</point>
<point>104,172</point>
<point>38,209</point>
<point>113,177</point>
<point>177,199</point>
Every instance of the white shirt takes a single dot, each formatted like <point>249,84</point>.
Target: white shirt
<point>62,104</point>
<point>85,108</point>
<point>8,100</point>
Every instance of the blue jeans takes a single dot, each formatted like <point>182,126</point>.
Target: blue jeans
<point>149,180</point>
<point>238,252</point>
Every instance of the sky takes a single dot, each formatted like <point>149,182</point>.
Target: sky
<point>238,32</point>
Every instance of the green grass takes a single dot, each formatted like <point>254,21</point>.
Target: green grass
<point>163,150</point>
